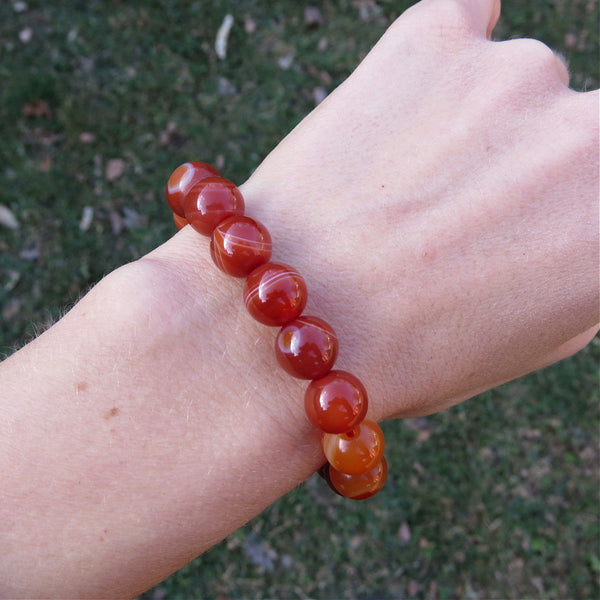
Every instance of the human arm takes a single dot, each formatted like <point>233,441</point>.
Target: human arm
<point>418,307</point>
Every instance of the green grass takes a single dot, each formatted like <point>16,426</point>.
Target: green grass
<point>496,498</point>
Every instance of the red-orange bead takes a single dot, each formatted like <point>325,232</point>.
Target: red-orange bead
<point>181,181</point>
<point>180,222</point>
<point>306,347</point>
<point>275,294</point>
<point>211,201</point>
<point>336,402</point>
<point>359,487</point>
<point>356,451</point>
<point>239,245</point>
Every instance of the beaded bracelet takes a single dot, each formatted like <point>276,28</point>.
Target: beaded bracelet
<point>306,346</point>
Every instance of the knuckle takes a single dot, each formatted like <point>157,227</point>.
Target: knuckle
<point>534,59</point>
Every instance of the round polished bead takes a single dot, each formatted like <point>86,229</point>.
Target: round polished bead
<point>275,294</point>
<point>356,451</point>
<point>181,181</point>
<point>337,402</point>
<point>239,245</point>
<point>359,487</point>
<point>306,347</point>
<point>211,201</point>
<point>180,222</point>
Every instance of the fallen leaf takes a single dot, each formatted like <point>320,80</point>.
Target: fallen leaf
<point>133,219</point>
<point>7,218</point>
<point>26,34</point>
<point>11,309</point>
<point>319,94</point>
<point>30,252</point>
<point>115,168</point>
<point>313,17</point>
<point>116,222</point>
<point>85,137</point>
<point>36,108</point>
<point>249,25</point>
<point>433,590</point>
<point>222,37</point>
<point>46,163</point>
<point>286,61</point>
<point>87,217</point>
<point>404,532</point>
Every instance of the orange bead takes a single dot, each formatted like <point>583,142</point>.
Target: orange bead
<point>211,201</point>
<point>180,222</point>
<point>359,487</point>
<point>307,348</point>
<point>356,451</point>
<point>239,245</point>
<point>181,181</point>
<point>336,402</point>
<point>275,294</point>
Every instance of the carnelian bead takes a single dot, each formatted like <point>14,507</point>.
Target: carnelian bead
<point>359,487</point>
<point>306,347</point>
<point>336,402</point>
<point>211,201</point>
<point>275,294</point>
<point>180,222</point>
<point>181,181</point>
<point>356,451</point>
<point>239,245</point>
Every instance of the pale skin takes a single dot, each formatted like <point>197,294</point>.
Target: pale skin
<point>442,205</point>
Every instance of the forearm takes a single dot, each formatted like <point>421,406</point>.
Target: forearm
<point>115,470</point>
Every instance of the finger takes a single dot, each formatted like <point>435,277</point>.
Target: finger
<point>482,15</point>
<point>495,15</point>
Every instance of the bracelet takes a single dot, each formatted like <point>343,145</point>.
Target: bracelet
<point>306,347</point>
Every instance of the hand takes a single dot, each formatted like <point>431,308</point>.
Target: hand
<point>442,204</point>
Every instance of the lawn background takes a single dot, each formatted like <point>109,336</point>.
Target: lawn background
<point>99,101</point>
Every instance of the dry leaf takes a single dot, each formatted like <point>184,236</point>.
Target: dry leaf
<point>37,108</point>
<point>114,168</point>
<point>249,25</point>
<point>46,163</point>
<point>133,219</point>
<point>7,218</point>
<point>413,588</point>
<point>26,34</point>
<point>85,137</point>
<point>319,94</point>
<point>11,309</point>
<point>116,222</point>
<point>222,37</point>
<point>404,532</point>
<point>313,16</point>
<point>86,218</point>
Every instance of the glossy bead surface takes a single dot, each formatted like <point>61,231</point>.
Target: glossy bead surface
<point>211,201</point>
<point>356,451</point>
<point>180,222</point>
<point>275,294</point>
<point>336,402</point>
<point>359,487</point>
<point>239,245</point>
<point>181,181</point>
<point>306,347</point>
